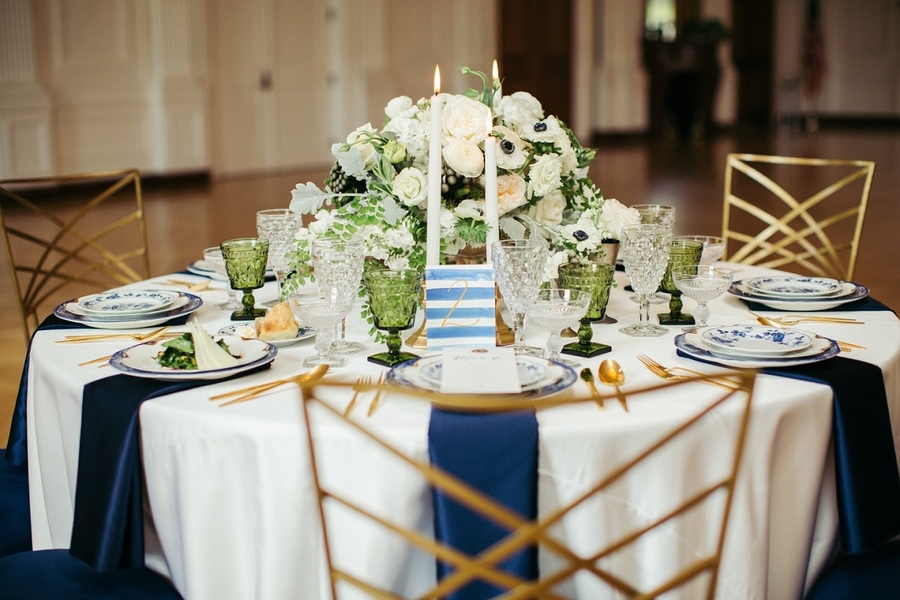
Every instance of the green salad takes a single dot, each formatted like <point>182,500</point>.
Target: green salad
<point>179,353</point>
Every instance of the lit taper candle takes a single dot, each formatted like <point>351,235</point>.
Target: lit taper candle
<point>491,208</point>
<point>433,224</point>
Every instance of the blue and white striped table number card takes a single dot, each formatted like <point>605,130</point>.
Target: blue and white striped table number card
<point>459,306</point>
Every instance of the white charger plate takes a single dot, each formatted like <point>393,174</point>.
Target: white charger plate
<point>692,345</point>
<point>756,340</point>
<point>538,376</point>
<point>850,292</point>
<point>202,268</point>
<point>186,304</point>
<point>127,302</point>
<point>302,333</point>
<point>140,361</point>
<point>791,286</point>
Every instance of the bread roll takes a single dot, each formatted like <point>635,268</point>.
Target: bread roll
<point>278,324</point>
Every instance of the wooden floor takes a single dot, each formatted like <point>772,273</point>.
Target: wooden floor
<point>185,218</point>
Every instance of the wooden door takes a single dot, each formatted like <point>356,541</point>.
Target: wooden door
<point>536,52</point>
<point>752,47</point>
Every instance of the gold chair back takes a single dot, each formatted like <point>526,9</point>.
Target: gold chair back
<point>701,509</point>
<point>90,239</point>
<point>813,223</point>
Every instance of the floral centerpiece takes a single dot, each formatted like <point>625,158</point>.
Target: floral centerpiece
<point>378,186</point>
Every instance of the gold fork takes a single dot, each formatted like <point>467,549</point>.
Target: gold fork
<point>140,337</point>
<point>197,286</point>
<point>254,391</point>
<point>105,359</point>
<point>795,319</point>
<point>377,398</point>
<point>362,383</point>
<point>667,373</point>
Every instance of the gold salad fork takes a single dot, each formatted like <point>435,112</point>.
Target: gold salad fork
<point>669,374</point>
<point>102,337</point>
<point>790,320</point>
<point>374,406</point>
<point>844,346</point>
<point>254,391</point>
<point>362,384</point>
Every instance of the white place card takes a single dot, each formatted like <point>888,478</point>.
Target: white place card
<point>459,306</point>
<point>479,371</point>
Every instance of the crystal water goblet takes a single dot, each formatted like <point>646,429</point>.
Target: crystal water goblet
<point>681,252</point>
<point>596,279</point>
<point>555,309</point>
<point>339,263</point>
<point>519,269</point>
<point>321,311</point>
<point>702,283</point>
<point>393,298</point>
<point>659,214</point>
<point>713,247</point>
<point>214,257</point>
<point>278,226</point>
<point>245,262</point>
<point>646,253</point>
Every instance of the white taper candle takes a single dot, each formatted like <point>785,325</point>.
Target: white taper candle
<point>433,224</point>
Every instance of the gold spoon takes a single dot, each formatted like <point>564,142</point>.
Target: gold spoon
<point>588,377</point>
<point>612,374</point>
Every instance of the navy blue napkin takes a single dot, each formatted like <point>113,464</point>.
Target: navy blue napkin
<point>498,455</point>
<point>108,530</point>
<point>863,304</point>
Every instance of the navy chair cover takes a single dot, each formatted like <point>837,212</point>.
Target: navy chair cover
<point>55,574</point>
<point>871,576</point>
<point>15,516</point>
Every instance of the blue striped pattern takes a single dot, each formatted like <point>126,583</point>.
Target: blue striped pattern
<point>459,303</point>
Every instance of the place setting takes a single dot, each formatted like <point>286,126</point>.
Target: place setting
<point>798,293</point>
<point>128,309</point>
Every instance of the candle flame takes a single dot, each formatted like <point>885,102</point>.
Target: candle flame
<point>495,72</point>
<point>437,80</point>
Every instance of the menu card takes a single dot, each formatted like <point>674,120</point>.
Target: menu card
<point>479,371</point>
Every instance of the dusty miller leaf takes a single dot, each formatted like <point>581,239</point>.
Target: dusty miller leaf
<point>307,198</point>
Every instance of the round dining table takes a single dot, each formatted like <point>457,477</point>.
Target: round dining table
<point>230,507</point>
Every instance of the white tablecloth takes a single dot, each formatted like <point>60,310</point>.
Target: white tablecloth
<point>231,504</point>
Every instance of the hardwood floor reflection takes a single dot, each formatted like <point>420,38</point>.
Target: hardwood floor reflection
<point>184,218</point>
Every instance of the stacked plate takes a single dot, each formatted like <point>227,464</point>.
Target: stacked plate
<point>755,346</point>
<point>127,309</point>
<point>537,376</point>
<point>203,268</point>
<point>140,361</point>
<point>796,293</point>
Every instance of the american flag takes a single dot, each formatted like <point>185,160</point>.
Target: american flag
<point>813,59</point>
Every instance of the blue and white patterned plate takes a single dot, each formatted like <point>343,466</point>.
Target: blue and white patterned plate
<point>756,340</point>
<point>544,376</point>
<point>140,361</point>
<point>127,302</point>
<point>693,345</point>
<point>850,292</point>
<point>184,305</point>
<point>237,329</point>
<point>791,286</point>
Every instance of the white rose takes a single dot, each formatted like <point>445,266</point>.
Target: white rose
<point>512,151</point>
<point>616,215</point>
<point>465,119</point>
<point>366,150</point>
<point>410,186</point>
<point>551,266</point>
<point>470,209</point>
<point>397,106</point>
<point>324,222</point>
<point>549,209</point>
<point>544,175</point>
<point>399,237</point>
<point>464,157</point>
<point>520,110</point>
<point>510,193</point>
<point>397,263</point>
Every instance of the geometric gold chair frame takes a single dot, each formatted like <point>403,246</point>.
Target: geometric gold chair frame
<point>728,414</point>
<point>816,226</point>
<point>94,238</point>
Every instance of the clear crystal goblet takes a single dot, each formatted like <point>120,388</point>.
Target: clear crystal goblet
<point>519,269</point>
<point>339,263</point>
<point>702,283</point>
<point>213,256</point>
<point>278,226</point>
<point>321,311</point>
<point>554,309</point>
<point>645,251</point>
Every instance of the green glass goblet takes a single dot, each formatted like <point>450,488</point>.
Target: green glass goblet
<point>596,279</point>
<point>245,262</point>
<point>682,253</point>
<point>393,298</point>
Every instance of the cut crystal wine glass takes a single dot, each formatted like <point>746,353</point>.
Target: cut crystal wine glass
<point>278,226</point>
<point>646,254</point>
<point>519,269</point>
<point>339,263</point>
<point>321,311</point>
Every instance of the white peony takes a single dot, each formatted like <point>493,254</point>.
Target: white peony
<point>366,150</point>
<point>549,209</point>
<point>410,186</point>
<point>510,193</point>
<point>520,110</point>
<point>464,157</point>
<point>397,106</point>
<point>512,151</point>
<point>463,118</point>
<point>616,215</point>
<point>544,176</point>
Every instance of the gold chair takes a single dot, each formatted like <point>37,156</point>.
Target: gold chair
<point>71,245</point>
<point>691,515</point>
<point>816,225</point>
